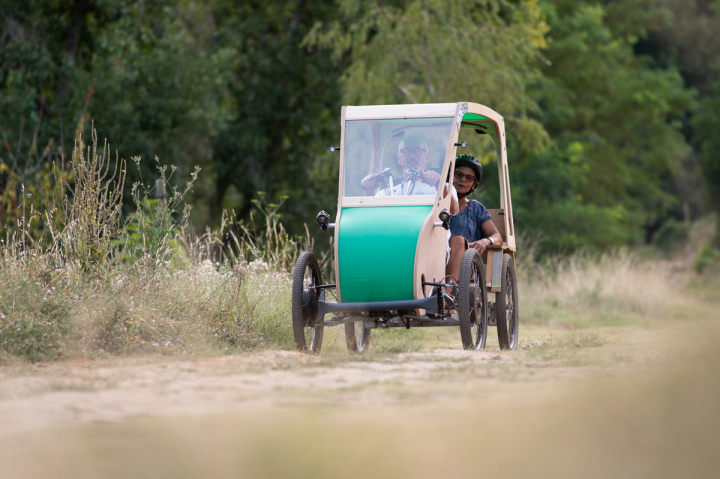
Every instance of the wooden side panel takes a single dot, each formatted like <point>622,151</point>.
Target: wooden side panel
<point>498,218</point>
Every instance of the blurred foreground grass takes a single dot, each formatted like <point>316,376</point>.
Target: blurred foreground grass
<point>655,420</point>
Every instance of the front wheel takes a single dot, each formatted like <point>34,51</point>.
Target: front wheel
<point>472,301</point>
<point>357,336</point>
<point>506,306</point>
<point>305,295</point>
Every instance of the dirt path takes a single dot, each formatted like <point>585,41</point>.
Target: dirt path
<point>399,395</point>
<point>33,398</point>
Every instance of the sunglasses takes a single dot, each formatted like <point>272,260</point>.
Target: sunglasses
<point>469,178</point>
<point>413,151</point>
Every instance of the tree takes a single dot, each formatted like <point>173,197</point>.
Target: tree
<point>286,107</point>
<point>623,112</point>
<point>42,46</point>
<point>429,51</point>
<point>691,44</point>
<point>160,88</point>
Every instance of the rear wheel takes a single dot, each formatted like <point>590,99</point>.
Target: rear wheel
<point>472,301</point>
<point>357,336</point>
<point>305,296</point>
<point>506,306</point>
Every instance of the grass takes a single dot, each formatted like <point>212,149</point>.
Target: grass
<point>611,290</point>
<point>556,344</point>
<point>94,286</point>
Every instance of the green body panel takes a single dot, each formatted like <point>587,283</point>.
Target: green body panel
<point>376,252</point>
<point>473,116</point>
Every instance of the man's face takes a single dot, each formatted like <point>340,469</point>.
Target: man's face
<point>413,154</point>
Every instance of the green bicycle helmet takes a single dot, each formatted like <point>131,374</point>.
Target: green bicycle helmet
<point>471,162</point>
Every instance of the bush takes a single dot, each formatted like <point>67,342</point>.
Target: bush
<point>706,258</point>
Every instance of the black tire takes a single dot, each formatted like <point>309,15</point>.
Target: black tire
<point>304,303</point>
<point>357,337</point>
<point>506,306</point>
<point>471,301</point>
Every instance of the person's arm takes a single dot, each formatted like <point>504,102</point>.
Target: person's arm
<point>489,230</point>
<point>454,202</point>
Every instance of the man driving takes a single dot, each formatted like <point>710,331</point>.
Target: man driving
<point>413,156</point>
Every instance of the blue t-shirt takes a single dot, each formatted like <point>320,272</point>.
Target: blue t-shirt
<point>468,223</point>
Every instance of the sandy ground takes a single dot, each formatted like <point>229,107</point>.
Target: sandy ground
<point>44,404</point>
<point>36,397</point>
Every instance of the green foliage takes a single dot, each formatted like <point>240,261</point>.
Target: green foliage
<point>27,188</point>
<point>441,52</point>
<point>610,106</point>
<point>707,125</point>
<point>613,117</point>
<point>43,47</point>
<point>265,240</point>
<point>287,108</point>
<point>141,285</point>
<point>159,84</point>
<point>707,258</point>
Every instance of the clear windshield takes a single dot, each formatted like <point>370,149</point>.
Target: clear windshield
<point>395,157</point>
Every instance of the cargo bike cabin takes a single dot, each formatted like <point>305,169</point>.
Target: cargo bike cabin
<point>391,231</point>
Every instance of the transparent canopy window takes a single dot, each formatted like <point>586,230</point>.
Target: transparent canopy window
<point>394,157</point>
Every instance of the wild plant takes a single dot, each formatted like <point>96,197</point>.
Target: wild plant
<point>92,204</point>
<point>151,231</point>
<point>265,240</point>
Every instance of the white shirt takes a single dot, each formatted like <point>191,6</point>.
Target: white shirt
<point>407,188</point>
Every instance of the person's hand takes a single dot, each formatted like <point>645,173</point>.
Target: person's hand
<point>371,182</point>
<point>431,177</point>
<point>480,245</point>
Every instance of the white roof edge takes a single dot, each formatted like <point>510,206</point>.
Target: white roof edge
<point>412,110</point>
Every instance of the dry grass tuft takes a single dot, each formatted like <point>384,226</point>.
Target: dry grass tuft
<point>615,288</point>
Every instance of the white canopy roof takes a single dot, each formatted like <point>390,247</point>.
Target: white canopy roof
<point>378,112</point>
